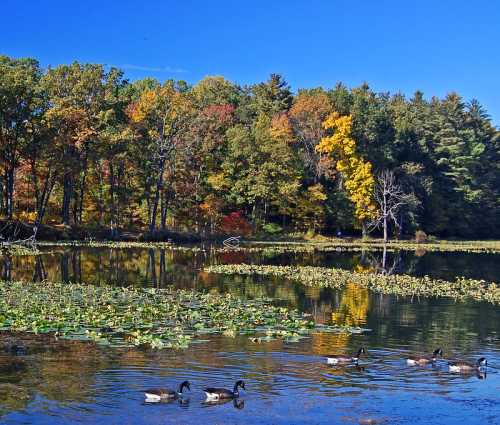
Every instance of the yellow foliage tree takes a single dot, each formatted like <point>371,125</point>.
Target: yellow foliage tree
<point>359,181</point>
<point>163,114</point>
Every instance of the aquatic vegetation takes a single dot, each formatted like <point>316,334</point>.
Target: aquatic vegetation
<point>128,316</point>
<point>378,244</point>
<point>403,285</point>
<point>91,243</point>
<point>282,247</point>
<point>18,250</point>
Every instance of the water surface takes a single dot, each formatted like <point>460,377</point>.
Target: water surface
<point>286,383</point>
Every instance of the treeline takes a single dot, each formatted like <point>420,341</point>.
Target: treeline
<point>81,145</point>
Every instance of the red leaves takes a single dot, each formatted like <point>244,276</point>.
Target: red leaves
<point>235,224</point>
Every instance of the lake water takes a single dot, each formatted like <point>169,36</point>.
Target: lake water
<point>287,383</point>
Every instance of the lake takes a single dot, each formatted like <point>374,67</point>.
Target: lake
<point>286,383</point>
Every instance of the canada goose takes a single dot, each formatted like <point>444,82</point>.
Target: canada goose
<point>214,394</point>
<point>335,359</point>
<point>423,360</point>
<point>158,394</point>
<point>466,367</point>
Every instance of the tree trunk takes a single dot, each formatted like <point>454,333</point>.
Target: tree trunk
<point>385,213</point>
<point>10,175</point>
<point>67,196</point>
<point>44,198</point>
<point>159,184</point>
<point>385,230</point>
<point>82,194</point>
<point>112,208</point>
<point>384,258</point>
<point>163,215</point>
<point>34,177</point>
<point>364,229</point>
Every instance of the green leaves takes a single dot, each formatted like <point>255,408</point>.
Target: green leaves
<point>156,318</point>
<point>403,285</point>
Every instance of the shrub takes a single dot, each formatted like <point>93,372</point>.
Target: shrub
<point>235,224</point>
<point>272,228</point>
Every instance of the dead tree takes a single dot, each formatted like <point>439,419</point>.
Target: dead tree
<point>10,235</point>
<point>390,198</point>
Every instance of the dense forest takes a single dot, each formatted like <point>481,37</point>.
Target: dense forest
<point>82,146</point>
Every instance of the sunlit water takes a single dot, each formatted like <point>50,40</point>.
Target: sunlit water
<point>286,383</point>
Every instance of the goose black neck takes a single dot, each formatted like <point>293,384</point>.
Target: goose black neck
<point>437,352</point>
<point>236,386</point>
<point>185,384</point>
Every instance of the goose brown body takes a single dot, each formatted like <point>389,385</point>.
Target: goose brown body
<point>337,359</point>
<point>214,393</point>
<point>466,367</point>
<point>159,394</point>
<point>423,360</point>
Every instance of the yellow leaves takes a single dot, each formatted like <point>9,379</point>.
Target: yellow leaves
<point>359,181</point>
<point>161,110</point>
<point>72,123</point>
<point>139,110</point>
<point>340,142</point>
<point>218,181</point>
<point>316,193</point>
<point>281,129</point>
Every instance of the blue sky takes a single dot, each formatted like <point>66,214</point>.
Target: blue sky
<point>436,46</point>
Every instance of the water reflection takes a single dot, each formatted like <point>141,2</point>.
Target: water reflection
<point>237,403</point>
<point>160,267</point>
<point>55,382</point>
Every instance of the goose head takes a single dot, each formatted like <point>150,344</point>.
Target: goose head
<point>239,384</point>
<point>185,384</point>
<point>437,352</point>
<point>482,362</point>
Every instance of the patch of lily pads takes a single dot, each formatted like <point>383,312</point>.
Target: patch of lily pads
<point>151,317</point>
<point>403,285</point>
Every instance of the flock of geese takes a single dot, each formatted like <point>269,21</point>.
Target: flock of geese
<point>217,395</point>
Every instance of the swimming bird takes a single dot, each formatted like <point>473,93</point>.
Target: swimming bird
<point>336,359</point>
<point>466,367</point>
<point>158,394</point>
<point>214,394</point>
<point>423,360</point>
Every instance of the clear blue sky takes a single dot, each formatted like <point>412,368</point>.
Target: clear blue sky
<point>436,46</point>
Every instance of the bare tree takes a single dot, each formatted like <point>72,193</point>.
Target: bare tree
<point>390,198</point>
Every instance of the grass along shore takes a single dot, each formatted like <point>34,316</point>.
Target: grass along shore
<point>403,285</point>
<point>336,244</point>
<point>277,247</point>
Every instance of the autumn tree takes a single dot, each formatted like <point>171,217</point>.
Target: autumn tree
<point>19,107</point>
<point>162,114</point>
<point>358,179</point>
<point>307,114</point>
<point>75,97</point>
